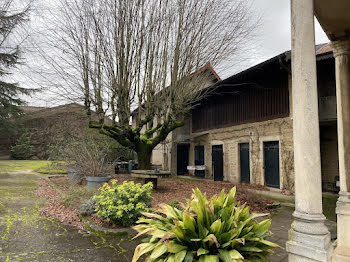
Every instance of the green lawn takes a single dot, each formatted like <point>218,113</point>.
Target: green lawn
<point>41,166</point>
<point>14,165</point>
<point>329,203</point>
<point>51,168</point>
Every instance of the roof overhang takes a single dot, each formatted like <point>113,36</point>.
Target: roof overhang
<point>334,18</point>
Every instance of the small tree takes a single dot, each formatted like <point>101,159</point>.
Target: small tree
<point>23,148</point>
<point>147,54</point>
<point>113,151</point>
<point>88,156</point>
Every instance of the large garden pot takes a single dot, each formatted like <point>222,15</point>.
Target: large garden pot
<point>74,176</point>
<point>94,182</point>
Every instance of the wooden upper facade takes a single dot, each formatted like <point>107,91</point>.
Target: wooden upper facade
<point>263,93</point>
<point>241,105</point>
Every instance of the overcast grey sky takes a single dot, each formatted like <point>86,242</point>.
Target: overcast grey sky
<point>274,33</point>
<point>273,38</point>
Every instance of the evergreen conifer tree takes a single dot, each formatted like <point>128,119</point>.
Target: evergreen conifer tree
<point>10,20</point>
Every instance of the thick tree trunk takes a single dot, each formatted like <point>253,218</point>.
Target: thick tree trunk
<point>144,158</point>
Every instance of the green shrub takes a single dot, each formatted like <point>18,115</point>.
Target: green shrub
<point>89,157</point>
<point>88,208</point>
<point>54,167</point>
<point>23,148</point>
<point>76,196</point>
<point>111,149</point>
<point>55,150</point>
<point>204,230</point>
<point>123,204</point>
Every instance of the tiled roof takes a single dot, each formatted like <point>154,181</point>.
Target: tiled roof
<point>323,49</point>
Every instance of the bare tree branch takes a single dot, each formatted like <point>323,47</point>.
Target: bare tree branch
<point>152,55</point>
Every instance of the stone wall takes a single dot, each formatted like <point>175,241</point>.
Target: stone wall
<point>255,134</point>
<point>161,154</point>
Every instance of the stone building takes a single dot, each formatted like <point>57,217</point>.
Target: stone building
<point>243,132</point>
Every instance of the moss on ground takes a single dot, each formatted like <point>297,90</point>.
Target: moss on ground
<point>25,235</point>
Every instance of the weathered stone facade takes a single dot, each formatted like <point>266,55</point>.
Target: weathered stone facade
<point>255,134</point>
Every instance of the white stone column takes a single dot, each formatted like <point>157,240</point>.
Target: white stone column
<point>309,238</point>
<point>341,51</point>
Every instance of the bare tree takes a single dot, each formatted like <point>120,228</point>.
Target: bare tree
<point>118,56</point>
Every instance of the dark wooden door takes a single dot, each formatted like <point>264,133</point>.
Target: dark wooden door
<point>182,158</point>
<point>272,164</point>
<point>244,162</point>
<point>199,160</point>
<point>218,162</point>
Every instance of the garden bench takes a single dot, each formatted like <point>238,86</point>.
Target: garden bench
<point>150,176</point>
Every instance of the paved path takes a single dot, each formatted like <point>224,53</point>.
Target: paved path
<point>24,235</point>
<point>281,222</point>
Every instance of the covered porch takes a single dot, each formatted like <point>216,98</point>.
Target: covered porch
<point>309,238</point>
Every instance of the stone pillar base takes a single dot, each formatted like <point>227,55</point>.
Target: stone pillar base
<point>304,247</point>
<point>342,251</point>
<point>309,239</point>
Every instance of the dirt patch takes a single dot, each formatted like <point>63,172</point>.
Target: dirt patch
<point>55,208</point>
<point>170,191</point>
<point>100,222</point>
<point>175,190</point>
<point>62,183</point>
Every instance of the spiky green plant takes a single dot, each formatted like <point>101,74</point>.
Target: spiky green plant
<point>203,230</point>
